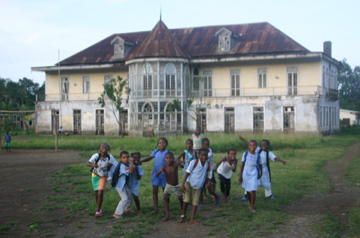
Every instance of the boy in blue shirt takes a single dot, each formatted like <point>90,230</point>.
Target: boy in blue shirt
<point>194,180</point>
<point>134,178</point>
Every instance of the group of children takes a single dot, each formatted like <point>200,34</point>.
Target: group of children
<point>198,170</point>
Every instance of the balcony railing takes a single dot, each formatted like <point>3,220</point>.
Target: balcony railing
<point>250,92</point>
<point>72,96</point>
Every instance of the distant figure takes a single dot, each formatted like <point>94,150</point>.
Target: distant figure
<point>7,141</point>
<point>61,130</point>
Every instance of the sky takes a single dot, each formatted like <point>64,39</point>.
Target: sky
<point>32,32</point>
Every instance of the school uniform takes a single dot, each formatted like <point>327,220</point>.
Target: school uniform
<point>188,156</point>
<point>225,172</point>
<point>212,165</point>
<point>250,172</point>
<point>159,163</point>
<point>134,180</point>
<point>265,180</point>
<point>195,181</point>
<point>123,190</point>
<point>99,174</point>
<point>7,141</point>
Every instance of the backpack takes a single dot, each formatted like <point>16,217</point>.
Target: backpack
<point>97,160</point>
<point>258,164</point>
<point>267,161</point>
<point>116,175</point>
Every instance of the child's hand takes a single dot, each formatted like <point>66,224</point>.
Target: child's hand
<point>183,188</point>
<point>95,166</point>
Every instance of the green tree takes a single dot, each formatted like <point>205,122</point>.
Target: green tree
<point>349,86</point>
<point>115,94</point>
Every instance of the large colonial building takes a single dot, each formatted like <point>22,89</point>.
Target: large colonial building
<point>247,77</point>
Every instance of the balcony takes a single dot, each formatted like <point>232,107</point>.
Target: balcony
<point>50,97</point>
<point>257,92</point>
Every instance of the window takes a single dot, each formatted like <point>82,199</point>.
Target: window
<point>170,78</point>
<point>262,78</point>
<point>196,81</point>
<point>99,122</point>
<point>77,121</point>
<point>207,78</point>
<point>229,120</point>
<point>119,49</point>
<point>258,116</point>
<point>235,82</point>
<point>108,79</point>
<point>86,84</point>
<point>292,81</point>
<point>65,88</point>
<point>289,119</point>
<point>147,77</point>
<point>224,40</point>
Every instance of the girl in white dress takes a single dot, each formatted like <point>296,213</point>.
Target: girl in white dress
<point>250,174</point>
<point>265,157</point>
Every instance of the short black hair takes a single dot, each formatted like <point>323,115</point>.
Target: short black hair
<point>170,153</point>
<point>189,140</point>
<point>253,141</point>
<point>123,152</point>
<point>266,141</point>
<point>163,139</point>
<point>206,151</point>
<point>134,154</point>
<point>205,139</point>
<point>231,149</point>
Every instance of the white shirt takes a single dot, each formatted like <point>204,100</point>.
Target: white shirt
<point>272,157</point>
<point>198,174</point>
<point>226,169</point>
<point>197,141</point>
<point>103,164</point>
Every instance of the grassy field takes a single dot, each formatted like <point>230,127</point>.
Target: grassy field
<point>305,154</point>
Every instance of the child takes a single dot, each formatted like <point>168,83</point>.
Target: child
<point>197,138</point>
<point>187,155</point>
<point>265,157</point>
<point>249,174</point>
<point>122,172</point>
<point>225,170</point>
<point>134,178</point>
<point>7,141</point>
<point>194,180</point>
<point>172,183</point>
<point>212,183</point>
<point>100,164</point>
<point>159,162</point>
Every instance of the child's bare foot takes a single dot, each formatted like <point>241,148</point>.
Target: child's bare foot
<point>116,216</point>
<point>182,219</point>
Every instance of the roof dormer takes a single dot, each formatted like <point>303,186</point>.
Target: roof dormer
<point>224,39</point>
<point>119,48</point>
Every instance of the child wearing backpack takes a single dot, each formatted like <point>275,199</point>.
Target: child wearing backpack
<point>135,177</point>
<point>158,155</point>
<point>194,180</point>
<point>211,186</point>
<point>120,182</point>
<point>172,183</point>
<point>250,173</point>
<point>187,155</point>
<point>225,170</point>
<point>265,156</point>
<point>100,164</point>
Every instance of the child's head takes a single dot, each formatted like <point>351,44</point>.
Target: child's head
<point>265,144</point>
<point>124,157</point>
<point>203,154</point>
<point>231,154</point>
<point>103,149</point>
<point>189,144</point>
<point>136,157</point>
<point>169,158</point>
<point>252,146</point>
<point>197,132</point>
<point>162,143</point>
<point>205,143</point>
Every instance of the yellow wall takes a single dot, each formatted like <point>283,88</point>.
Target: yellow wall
<point>309,77</point>
<point>52,88</point>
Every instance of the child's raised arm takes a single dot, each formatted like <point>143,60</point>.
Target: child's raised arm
<point>146,159</point>
<point>277,159</point>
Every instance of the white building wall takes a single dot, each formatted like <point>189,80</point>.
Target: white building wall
<point>215,119</point>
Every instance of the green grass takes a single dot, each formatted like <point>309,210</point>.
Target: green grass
<point>305,154</point>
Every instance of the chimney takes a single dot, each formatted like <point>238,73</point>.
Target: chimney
<point>327,48</point>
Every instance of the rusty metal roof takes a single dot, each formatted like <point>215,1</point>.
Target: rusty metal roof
<point>196,42</point>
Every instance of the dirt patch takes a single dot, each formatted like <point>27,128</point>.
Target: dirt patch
<point>340,199</point>
<point>24,187</point>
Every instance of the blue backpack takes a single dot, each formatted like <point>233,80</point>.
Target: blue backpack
<point>258,164</point>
